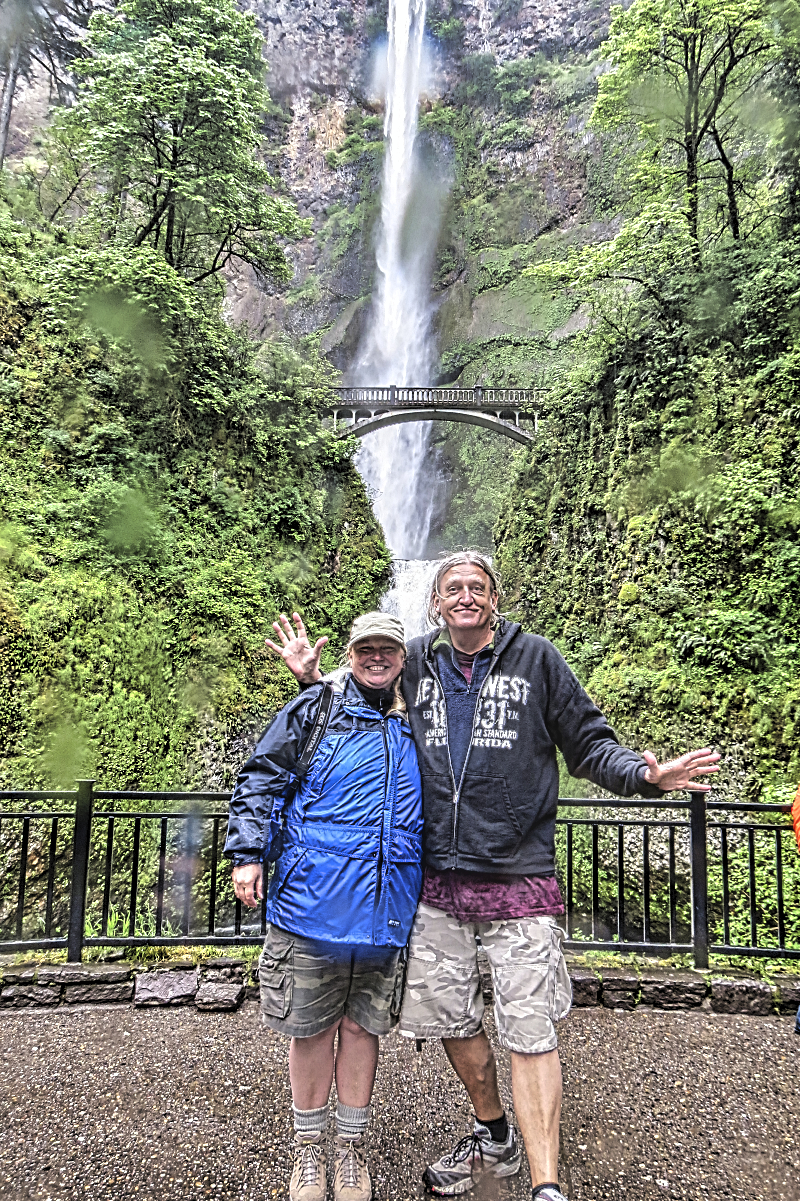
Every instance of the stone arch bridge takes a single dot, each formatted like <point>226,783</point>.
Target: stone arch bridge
<point>512,412</point>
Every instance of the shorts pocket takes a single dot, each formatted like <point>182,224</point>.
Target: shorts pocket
<point>399,984</point>
<point>560,983</point>
<point>276,978</point>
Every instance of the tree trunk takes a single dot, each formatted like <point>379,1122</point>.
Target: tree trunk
<point>692,199</point>
<point>7,103</point>
<point>730,184</point>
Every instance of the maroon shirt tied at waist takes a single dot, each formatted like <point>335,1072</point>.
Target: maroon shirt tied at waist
<point>476,897</point>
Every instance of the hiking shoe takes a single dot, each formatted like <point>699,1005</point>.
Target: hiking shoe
<point>473,1155</point>
<point>351,1180</point>
<point>308,1173</point>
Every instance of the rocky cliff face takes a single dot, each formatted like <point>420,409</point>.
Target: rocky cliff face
<point>512,84</point>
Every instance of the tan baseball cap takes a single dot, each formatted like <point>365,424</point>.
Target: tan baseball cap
<point>377,625</point>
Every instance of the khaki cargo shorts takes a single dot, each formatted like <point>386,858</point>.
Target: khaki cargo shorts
<point>443,997</point>
<point>306,986</point>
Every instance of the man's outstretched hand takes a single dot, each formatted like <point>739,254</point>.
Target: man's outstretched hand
<point>298,654</point>
<point>248,883</point>
<point>678,773</point>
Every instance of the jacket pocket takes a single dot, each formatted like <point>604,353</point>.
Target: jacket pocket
<point>437,812</point>
<point>488,827</point>
<point>276,976</point>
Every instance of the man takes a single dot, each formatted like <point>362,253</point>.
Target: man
<point>488,706</point>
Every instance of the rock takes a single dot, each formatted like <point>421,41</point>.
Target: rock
<point>23,974</point>
<point>94,994</point>
<point>165,988</point>
<point>253,992</point>
<point>84,973</point>
<point>19,996</point>
<point>788,993</point>
<point>176,965</point>
<point>673,990</point>
<point>620,988</point>
<point>741,994</point>
<point>585,986</point>
<point>222,968</point>
<point>213,995</point>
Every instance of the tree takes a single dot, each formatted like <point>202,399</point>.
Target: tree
<point>167,117</point>
<point>680,70</point>
<point>37,33</point>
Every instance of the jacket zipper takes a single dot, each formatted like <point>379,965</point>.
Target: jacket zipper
<point>378,880</point>
<point>457,791</point>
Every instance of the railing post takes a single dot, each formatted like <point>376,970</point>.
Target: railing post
<point>477,395</point>
<point>699,878</point>
<point>392,395</point>
<point>80,869</point>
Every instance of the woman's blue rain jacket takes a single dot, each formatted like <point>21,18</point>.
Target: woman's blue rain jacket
<point>349,870</point>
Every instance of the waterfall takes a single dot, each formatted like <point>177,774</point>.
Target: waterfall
<point>398,348</point>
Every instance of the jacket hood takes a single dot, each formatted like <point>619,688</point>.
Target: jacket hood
<point>345,686</point>
<point>505,632</point>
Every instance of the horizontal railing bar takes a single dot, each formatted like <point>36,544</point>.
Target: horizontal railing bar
<point>744,826</point>
<point>37,794</point>
<point>620,803</point>
<point>748,807</point>
<point>756,952</point>
<point>34,814</point>
<point>205,815</point>
<point>161,796</point>
<point>31,944</point>
<point>621,821</point>
<point>576,944</point>
<point>180,940</point>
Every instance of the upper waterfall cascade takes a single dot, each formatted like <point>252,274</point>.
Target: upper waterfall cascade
<point>398,347</point>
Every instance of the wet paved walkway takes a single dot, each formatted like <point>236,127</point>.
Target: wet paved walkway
<point>109,1103</point>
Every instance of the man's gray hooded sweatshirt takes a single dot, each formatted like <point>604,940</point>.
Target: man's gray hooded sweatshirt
<point>498,813</point>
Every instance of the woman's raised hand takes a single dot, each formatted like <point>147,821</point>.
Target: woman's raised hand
<point>298,654</point>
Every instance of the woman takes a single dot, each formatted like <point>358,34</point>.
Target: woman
<point>343,893</point>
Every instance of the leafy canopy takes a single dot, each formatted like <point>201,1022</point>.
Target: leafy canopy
<point>681,70</point>
<point>167,119</point>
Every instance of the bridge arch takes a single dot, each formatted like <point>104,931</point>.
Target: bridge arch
<point>394,417</point>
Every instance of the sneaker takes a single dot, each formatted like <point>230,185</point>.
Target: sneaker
<point>351,1180</point>
<point>550,1192</point>
<point>473,1155</point>
<point>308,1174</point>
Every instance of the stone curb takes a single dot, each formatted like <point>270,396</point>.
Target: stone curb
<point>216,984</point>
<point>219,984</point>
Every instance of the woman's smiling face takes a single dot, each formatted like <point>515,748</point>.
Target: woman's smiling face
<point>376,662</point>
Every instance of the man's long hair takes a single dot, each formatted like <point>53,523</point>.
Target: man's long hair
<point>472,558</point>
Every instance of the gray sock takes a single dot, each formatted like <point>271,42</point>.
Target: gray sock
<point>310,1121</point>
<point>350,1121</point>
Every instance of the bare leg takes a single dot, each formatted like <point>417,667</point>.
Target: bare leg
<point>536,1081</point>
<point>311,1069</point>
<point>476,1068</point>
<point>312,1061</point>
<point>356,1064</point>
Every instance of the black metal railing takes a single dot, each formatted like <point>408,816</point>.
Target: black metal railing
<point>104,870</point>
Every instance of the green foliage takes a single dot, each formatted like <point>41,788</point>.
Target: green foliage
<point>167,488</point>
<point>653,529</point>
<point>172,162</point>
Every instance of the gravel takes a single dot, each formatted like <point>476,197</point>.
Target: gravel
<point>109,1102</point>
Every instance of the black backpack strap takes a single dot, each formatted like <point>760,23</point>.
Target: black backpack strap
<point>317,732</point>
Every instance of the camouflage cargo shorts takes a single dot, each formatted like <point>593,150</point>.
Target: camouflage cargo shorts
<point>531,984</point>
<point>306,986</point>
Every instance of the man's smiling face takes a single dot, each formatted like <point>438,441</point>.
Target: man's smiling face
<point>466,597</point>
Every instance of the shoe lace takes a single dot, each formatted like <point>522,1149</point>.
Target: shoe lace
<point>465,1148</point>
<point>350,1167</point>
<point>309,1164</point>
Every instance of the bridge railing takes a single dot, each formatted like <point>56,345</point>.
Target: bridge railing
<point>455,398</point>
<point>103,868</point>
